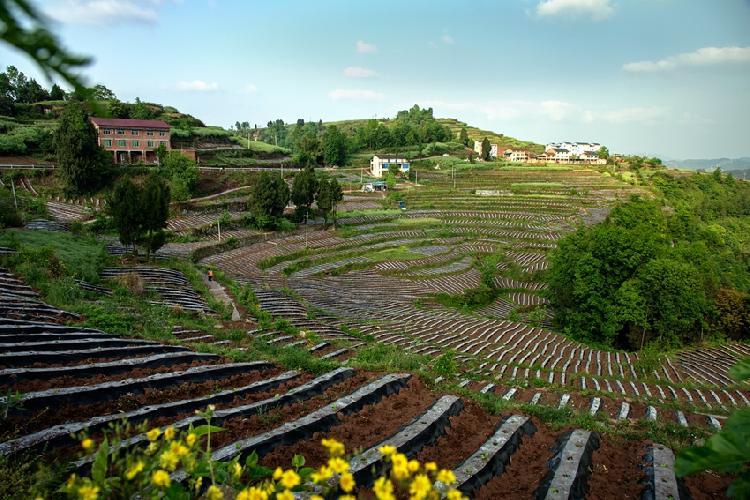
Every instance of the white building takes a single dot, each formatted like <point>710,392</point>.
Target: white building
<point>575,148</point>
<point>516,155</point>
<point>478,149</point>
<point>379,165</point>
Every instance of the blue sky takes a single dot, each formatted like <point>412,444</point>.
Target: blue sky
<point>667,77</point>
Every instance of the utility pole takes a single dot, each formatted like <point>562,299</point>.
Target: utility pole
<point>13,186</point>
<point>416,178</point>
<point>218,226</point>
<point>453,171</point>
<point>248,139</point>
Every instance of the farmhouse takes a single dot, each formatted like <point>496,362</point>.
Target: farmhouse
<point>131,141</point>
<point>380,164</point>
<point>478,149</point>
<point>516,155</point>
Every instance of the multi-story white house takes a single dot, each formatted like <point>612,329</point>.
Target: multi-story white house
<point>478,149</point>
<point>575,148</point>
<point>516,155</point>
<point>379,165</point>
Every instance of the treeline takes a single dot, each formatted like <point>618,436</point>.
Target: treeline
<point>316,144</point>
<point>18,91</point>
<point>670,271</point>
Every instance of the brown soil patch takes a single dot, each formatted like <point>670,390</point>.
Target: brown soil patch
<point>707,485</point>
<point>77,362</point>
<point>70,381</point>
<point>363,429</point>
<point>467,432</point>
<point>617,469</point>
<point>527,468</point>
<point>243,427</point>
<point>18,425</point>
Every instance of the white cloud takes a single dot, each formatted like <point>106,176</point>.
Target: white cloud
<point>359,72</point>
<point>250,88</point>
<point>447,39</point>
<point>705,56</point>
<point>197,85</point>
<point>597,10</point>
<point>365,48</point>
<point>645,114</point>
<point>355,94</point>
<point>102,12</point>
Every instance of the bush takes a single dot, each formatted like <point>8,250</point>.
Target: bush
<point>9,216</point>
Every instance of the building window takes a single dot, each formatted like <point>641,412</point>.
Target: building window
<point>150,144</point>
<point>162,134</point>
<point>108,143</point>
<point>149,132</point>
<point>135,144</point>
<point>133,132</point>
<point>120,131</point>
<point>107,131</point>
<point>121,143</point>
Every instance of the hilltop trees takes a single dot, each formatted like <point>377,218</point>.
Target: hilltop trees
<point>334,146</point>
<point>140,212</point>
<point>82,163</point>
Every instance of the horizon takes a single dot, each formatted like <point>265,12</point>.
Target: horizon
<point>624,74</point>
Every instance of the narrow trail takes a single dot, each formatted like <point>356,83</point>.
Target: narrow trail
<point>220,294</point>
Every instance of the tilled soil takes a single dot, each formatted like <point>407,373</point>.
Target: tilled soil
<point>69,381</point>
<point>707,486</point>
<point>467,432</point>
<point>363,429</point>
<point>617,468</point>
<point>244,427</point>
<point>527,468</point>
<point>77,362</point>
<point>18,425</point>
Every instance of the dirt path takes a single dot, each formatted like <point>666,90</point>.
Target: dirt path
<point>221,295</point>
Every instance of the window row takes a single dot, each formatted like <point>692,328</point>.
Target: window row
<point>119,131</point>
<point>122,143</point>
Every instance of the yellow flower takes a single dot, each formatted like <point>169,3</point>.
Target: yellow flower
<point>278,473</point>
<point>320,475</point>
<point>430,466</point>
<point>152,447</point>
<point>153,434</point>
<point>198,484</point>
<point>285,495</point>
<point>446,477</point>
<point>160,478</point>
<point>169,460</point>
<point>400,466</point>
<point>214,493</point>
<point>316,497</point>
<point>338,465</point>
<point>289,479</point>
<point>413,466</point>
<point>347,497</point>
<point>190,439</point>
<point>88,492</point>
<point>455,495</point>
<point>71,481</point>
<point>383,489</point>
<point>387,450</point>
<point>252,493</point>
<point>134,470</point>
<point>236,470</point>
<point>169,433</point>
<point>87,444</point>
<point>335,449</point>
<point>346,481</point>
<point>420,487</point>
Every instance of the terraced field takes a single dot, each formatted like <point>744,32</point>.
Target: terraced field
<point>72,379</point>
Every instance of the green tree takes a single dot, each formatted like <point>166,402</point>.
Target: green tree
<point>154,204</point>
<point>463,137</point>
<point>334,146</point>
<point>328,196</point>
<point>269,196</point>
<point>393,169</point>
<point>102,93</point>
<point>57,93</point>
<point>603,153</point>
<point>182,173</point>
<point>123,204</point>
<point>486,149</point>
<point>82,163</point>
<point>304,187</point>
<point>390,181</point>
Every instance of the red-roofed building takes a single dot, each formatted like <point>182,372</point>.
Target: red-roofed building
<point>131,141</point>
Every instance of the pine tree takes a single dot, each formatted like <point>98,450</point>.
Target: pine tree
<point>328,196</point>
<point>154,205</point>
<point>463,137</point>
<point>486,149</point>
<point>269,196</point>
<point>334,147</point>
<point>81,161</point>
<point>304,187</point>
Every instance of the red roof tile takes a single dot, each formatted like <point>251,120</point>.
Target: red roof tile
<point>128,123</point>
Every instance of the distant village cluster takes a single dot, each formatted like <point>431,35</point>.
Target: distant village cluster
<point>554,152</point>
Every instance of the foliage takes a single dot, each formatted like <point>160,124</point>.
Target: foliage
<point>328,196</point>
<point>269,196</point>
<point>727,451</point>
<point>304,188</point>
<point>334,147</point>
<point>463,137</point>
<point>486,149</point>
<point>182,173</point>
<point>81,162</point>
<point>660,271</point>
<point>9,216</point>
<point>387,357</point>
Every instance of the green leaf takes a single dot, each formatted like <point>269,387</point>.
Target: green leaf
<point>740,488</point>
<point>99,467</point>
<point>298,461</point>
<point>741,371</point>
<point>258,472</point>
<point>251,460</point>
<point>204,429</point>
<point>305,473</point>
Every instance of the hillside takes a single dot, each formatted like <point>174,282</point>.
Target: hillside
<point>502,141</point>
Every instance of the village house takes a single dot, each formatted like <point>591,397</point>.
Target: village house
<point>573,152</point>
<point>516,155</point>
<point>131,141</point>
<point>379,165</point>
<point>478,149</point>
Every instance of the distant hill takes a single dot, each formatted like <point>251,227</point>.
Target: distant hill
<point>725,164</point>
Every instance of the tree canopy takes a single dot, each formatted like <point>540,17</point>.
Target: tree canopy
<point>269,196</point>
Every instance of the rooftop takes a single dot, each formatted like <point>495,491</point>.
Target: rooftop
<point>128,123</point>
